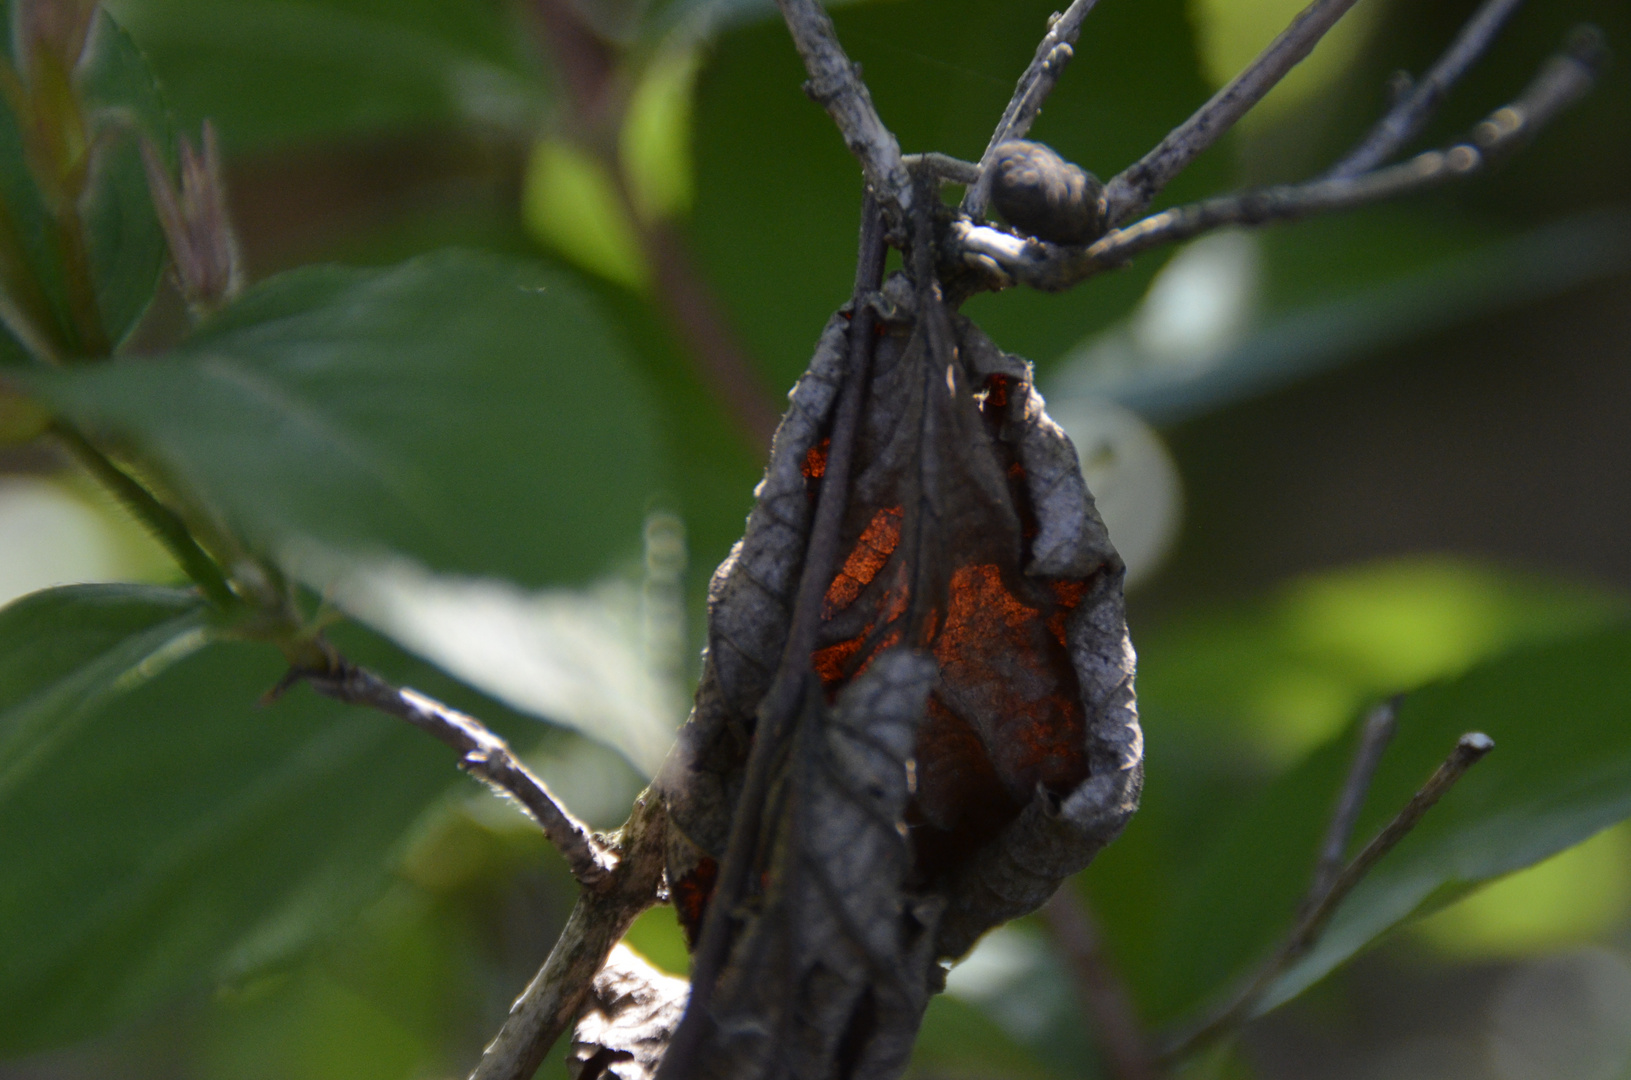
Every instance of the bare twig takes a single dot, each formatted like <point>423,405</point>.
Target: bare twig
<point>1135,187</point>
<point>485,755</point>
<point>555,996</point>
<point>1469,750</point>
<point>1374,736</point>
<point>944,167</point>
<point>1108,1002</point>
<point>780,709</point>
<point>1052,54</point>
<point>1414,108</point>
<point>836,85</point>
<point>1561,81</point>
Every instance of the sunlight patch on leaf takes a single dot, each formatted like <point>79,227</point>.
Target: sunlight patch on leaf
<point>655,145</point>
<point>1278,677</point>
<point>569,201</point>
<point>1571,898</point>
<point>1233,32</point>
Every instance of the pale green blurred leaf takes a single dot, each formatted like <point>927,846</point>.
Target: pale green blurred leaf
<point>1571,899</point>
<point>1231,692</point>
<point>1335,293</point>
<point>470,411</point>
<point>273,72</point>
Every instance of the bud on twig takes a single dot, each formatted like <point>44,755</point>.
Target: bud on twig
<point>197,224</point>
<point>53,28</point>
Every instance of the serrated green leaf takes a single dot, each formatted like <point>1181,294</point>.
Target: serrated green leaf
<point>472,412</point>
<point>280,71</point>
<point>158,829</point>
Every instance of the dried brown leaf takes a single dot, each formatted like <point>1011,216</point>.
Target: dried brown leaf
<point>972,639</point>
<point>633,1010</point>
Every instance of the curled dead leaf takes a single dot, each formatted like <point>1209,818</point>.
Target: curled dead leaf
<point>969,736</point>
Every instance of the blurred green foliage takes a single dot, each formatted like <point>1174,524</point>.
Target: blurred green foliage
<point>293,892</point>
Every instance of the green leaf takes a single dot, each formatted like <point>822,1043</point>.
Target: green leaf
<point>279,71</point>
<point>472,412</point>
<point>158,829</point>
<point>128,248</point>
<point>1561,773</point>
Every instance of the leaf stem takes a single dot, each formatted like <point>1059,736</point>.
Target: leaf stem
<point>165,524</point>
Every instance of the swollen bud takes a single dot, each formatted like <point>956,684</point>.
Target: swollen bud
<point>1040,193</point>
<point>51,28</point>
<point>203,244</point>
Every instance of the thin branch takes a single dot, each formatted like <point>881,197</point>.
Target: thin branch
<point>555,996</point>
<point>485,755</point>
<point>837,87</point>
<point>944,167</point>
<point>717,353</point>
<point>1108,1002</point>
<point>1136,187</point>
<point>1374,736</point>
<point>1469,750</point>
<point>778,713</point>
<point>1414,108</point>
<point>1562,80</point>
<point>1052,54</point>
<point>164,523</point>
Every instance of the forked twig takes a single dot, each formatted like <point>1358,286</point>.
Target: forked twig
<point>1052,54</point>
<point>1562,80</point>
<point>1131,190</point>
<point>1414,108</point>
<point>485,756</point>
<point>1469,750</point>
<point>836,85</point>
<point>555,996</point>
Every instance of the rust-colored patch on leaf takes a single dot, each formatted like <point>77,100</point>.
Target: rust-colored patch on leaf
<point>871,552</point>
<point>1005,671</point>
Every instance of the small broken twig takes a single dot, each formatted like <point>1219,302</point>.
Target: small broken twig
<point>1414,108</point>
<point>1106,999</point>
<point>485,755</point>
<point>1374,736</point>
<point>835,84</point>
<point>1469,750</point>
